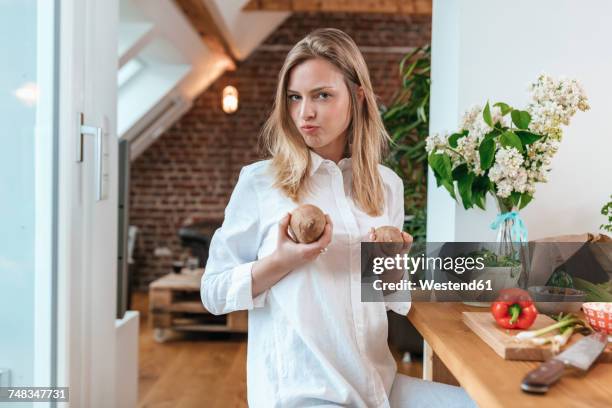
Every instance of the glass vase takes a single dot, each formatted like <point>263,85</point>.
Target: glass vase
<point>506,246</point>
<point>512,244</point>
<point>510,268</point>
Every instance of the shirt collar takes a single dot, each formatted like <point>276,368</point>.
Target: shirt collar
<point>345,163</point>
<point>316,161</point>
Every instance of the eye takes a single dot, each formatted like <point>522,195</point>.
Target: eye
<point>323,95</point>
<point>294,97</point>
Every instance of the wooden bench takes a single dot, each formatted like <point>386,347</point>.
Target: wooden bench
<point>175,304</point>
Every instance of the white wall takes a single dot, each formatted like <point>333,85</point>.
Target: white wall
<point>492,49</point>
<point>443,112</point>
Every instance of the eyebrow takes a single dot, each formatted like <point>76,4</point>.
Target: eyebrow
<point>320,88</point>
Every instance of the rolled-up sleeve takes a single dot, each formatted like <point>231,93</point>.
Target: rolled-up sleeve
<point>227,282</point>
<point>398,301</point>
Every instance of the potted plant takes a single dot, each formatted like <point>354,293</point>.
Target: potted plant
<point>502,270</point>
<point>407,122</point>
<point>406,119</point>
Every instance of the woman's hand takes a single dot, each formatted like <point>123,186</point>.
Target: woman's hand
<point>406,237</point>
<point>290,254</point>
<point>287,256</point>
<point>395,274</point>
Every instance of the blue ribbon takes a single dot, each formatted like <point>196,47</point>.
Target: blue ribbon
<point>518,231</point>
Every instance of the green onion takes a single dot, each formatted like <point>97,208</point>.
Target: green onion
<point>560,340</point>
<point>564,321</point>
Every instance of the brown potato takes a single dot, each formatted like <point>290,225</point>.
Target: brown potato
<point>307,223</point>
<point>391,237</point>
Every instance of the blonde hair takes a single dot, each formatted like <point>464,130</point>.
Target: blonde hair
<point>366,136</point>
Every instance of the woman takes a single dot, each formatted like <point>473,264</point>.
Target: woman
<point>312,342</point>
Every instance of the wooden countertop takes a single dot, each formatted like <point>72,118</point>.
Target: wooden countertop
<point>492,381</point>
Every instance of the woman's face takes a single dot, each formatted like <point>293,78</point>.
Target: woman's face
<point>319,104</point>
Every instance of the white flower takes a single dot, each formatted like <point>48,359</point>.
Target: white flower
<point>470,116</point>
<point>436,141</point>
<point>474,123</point>
<point>496,115</point>
<point>504,188</point>
<point>507,172</point>
<point>553,103</point>
<point>520,182</point>
<point>467,147</point>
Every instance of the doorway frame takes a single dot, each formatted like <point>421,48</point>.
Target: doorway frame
<point>86,296</point>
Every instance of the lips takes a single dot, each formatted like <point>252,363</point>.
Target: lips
<point>309,128</point>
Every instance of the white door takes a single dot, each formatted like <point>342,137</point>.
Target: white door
<point>87,251</point>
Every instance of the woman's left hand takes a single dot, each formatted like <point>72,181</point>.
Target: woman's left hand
<point>391,251</point>
<point>406,237</point>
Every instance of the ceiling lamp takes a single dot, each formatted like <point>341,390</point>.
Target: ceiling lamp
<point>230,99</point>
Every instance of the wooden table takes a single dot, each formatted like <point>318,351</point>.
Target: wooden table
<point>175,304</point>
<point>460,356</point>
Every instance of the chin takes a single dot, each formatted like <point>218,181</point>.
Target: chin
<point>313,141</point>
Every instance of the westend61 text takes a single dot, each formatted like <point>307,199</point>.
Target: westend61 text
<point>431,285</point>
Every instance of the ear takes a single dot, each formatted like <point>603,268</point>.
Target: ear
<point>360,94</point>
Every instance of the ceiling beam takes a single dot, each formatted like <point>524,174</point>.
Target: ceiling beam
<point>354,6</point>
<point>202,20</point>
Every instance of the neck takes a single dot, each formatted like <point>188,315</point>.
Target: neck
<point>334,151</point>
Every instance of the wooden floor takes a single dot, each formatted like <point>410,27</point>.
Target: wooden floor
<point>200,369</point>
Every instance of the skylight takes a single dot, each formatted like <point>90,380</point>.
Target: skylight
<point>129,71</point>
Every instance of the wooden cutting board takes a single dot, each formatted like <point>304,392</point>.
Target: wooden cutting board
<point>502,341</point>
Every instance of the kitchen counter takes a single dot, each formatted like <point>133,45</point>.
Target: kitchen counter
<point>461,357</point>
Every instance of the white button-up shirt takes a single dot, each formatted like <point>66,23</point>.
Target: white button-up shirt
<point>311,340</point>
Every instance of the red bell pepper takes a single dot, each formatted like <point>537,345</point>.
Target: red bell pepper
<point>514,309</point>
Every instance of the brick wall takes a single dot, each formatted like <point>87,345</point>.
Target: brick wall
<point>189,173</point>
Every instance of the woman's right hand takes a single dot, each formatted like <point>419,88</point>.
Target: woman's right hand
<point>292,255</point>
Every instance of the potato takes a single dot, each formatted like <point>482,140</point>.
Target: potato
<point>307,223</point>
<point>391,237</point>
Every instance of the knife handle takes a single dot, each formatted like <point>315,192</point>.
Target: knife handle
<point>541,378</point>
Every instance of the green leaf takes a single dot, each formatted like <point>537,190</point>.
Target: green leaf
<point>464,185</point>
<point>486,115</point>
<point>408,72</point>
<point>492,134</point>
<point>525,199</point>
<point>459,170</point>
<point>452,139</point>
<point>487,153</point>
<point>406,58</point>
<point>521,118</point>
<point>441,165</point>
<point>527,138</point>
<point>450,187</point>
<point>480,188</point>
<point>504,107</point>
<point>510,139</point>
<point>515,198</point>
<point>478,198</point>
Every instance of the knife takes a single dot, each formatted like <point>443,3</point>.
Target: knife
<point>580,355</point>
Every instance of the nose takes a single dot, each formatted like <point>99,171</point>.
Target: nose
<point>307,110</point>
